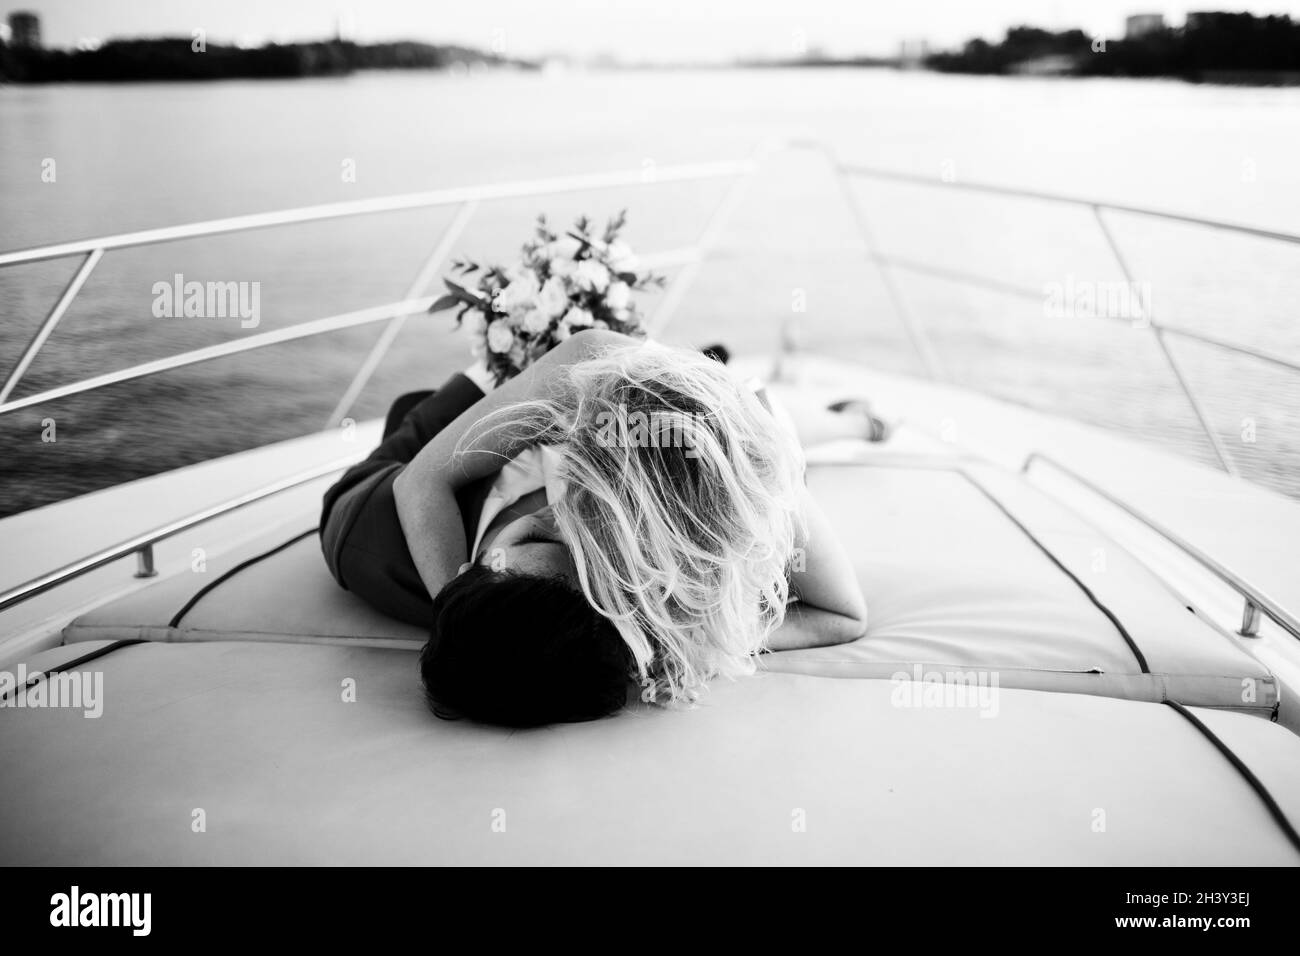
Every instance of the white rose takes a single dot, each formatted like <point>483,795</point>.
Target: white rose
<point>563,248</point>
<point>499,337</point>
<point>563,267</point>
<point>562,332</point>
<point>554,297</point>
<point>536,321</point>
<point>593,275</point>
<point>620,257</point>
<point>577,318</point>
<point>521,292</point>
<point>618,296</point>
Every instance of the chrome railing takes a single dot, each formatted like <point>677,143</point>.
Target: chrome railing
<point>689,258</point>
<point>142,545</point>
<point>1254,601</point>
<point>466,199</point>
<point>1099,208</point>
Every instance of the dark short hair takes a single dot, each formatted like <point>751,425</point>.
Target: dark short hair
<point>521,650</point>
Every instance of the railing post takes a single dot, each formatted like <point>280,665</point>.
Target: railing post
<point>43,333</point>
<point>1249,619</point>
<point>142,545</point>
<point>1258,604</point>
<point>394,326</point>
<point>144,567</point>
<point>920,342</point>
<point>1220,451</point>
<point>704,245</point>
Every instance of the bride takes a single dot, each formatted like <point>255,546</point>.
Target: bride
<point>619,510</point>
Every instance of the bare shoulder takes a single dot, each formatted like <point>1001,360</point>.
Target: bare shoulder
<point>589,342</point>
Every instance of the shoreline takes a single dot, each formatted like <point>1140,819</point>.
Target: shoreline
<point>1254,79</point>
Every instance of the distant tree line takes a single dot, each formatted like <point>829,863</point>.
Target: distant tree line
<point>1210,44</point>
<point>1021,45</point>
<point>177,59</point>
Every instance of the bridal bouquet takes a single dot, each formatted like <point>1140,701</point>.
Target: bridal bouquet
<point>562,283</point>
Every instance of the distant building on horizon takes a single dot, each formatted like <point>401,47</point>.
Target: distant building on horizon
<point>1140,24</point>
<point>24,30</point>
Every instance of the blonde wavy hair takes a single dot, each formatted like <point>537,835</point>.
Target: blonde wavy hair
<point>679,508</point>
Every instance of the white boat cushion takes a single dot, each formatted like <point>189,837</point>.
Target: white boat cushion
<point>286,595</point>
<point>952,584</point>
<point>779,769</point>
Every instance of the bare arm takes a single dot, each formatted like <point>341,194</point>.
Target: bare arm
<point>425,491</point>
<point>827,606</point>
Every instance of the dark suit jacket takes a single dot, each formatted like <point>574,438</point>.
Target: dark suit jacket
<point>362,539</point>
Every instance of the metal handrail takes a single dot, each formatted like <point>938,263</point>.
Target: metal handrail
<point>93,249</point>
<point>975,280</point>
<point>1256,601</point>
<point>393,313</point>
<point>467,197</point>
<point>65,301</point>
<point>386,338</point>
<point>142,544</point>
<point>362,207</point>
<point>704,245</point>
<point>1157,329</point>
<point>1160,331</point>
<point>871,172</point>
<point>301,330</point>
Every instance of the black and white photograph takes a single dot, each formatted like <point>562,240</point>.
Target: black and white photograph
<point>648,433</point>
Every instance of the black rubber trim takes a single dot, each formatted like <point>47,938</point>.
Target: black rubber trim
<point>1110,615</point>
<point>1247,774</point>
<point>77,662</point>
<point>213,585</point>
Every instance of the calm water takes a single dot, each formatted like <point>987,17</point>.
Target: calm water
<point>137,156</point>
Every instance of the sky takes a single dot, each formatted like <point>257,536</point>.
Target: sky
<point>661,30</point>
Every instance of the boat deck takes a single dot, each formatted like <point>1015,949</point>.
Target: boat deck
<point>1051,672</point>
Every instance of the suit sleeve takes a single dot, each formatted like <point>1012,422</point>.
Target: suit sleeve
<point>358,518</point>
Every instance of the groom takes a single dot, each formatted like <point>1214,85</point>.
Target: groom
<point>363,542</point>
<point>505,647</point>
